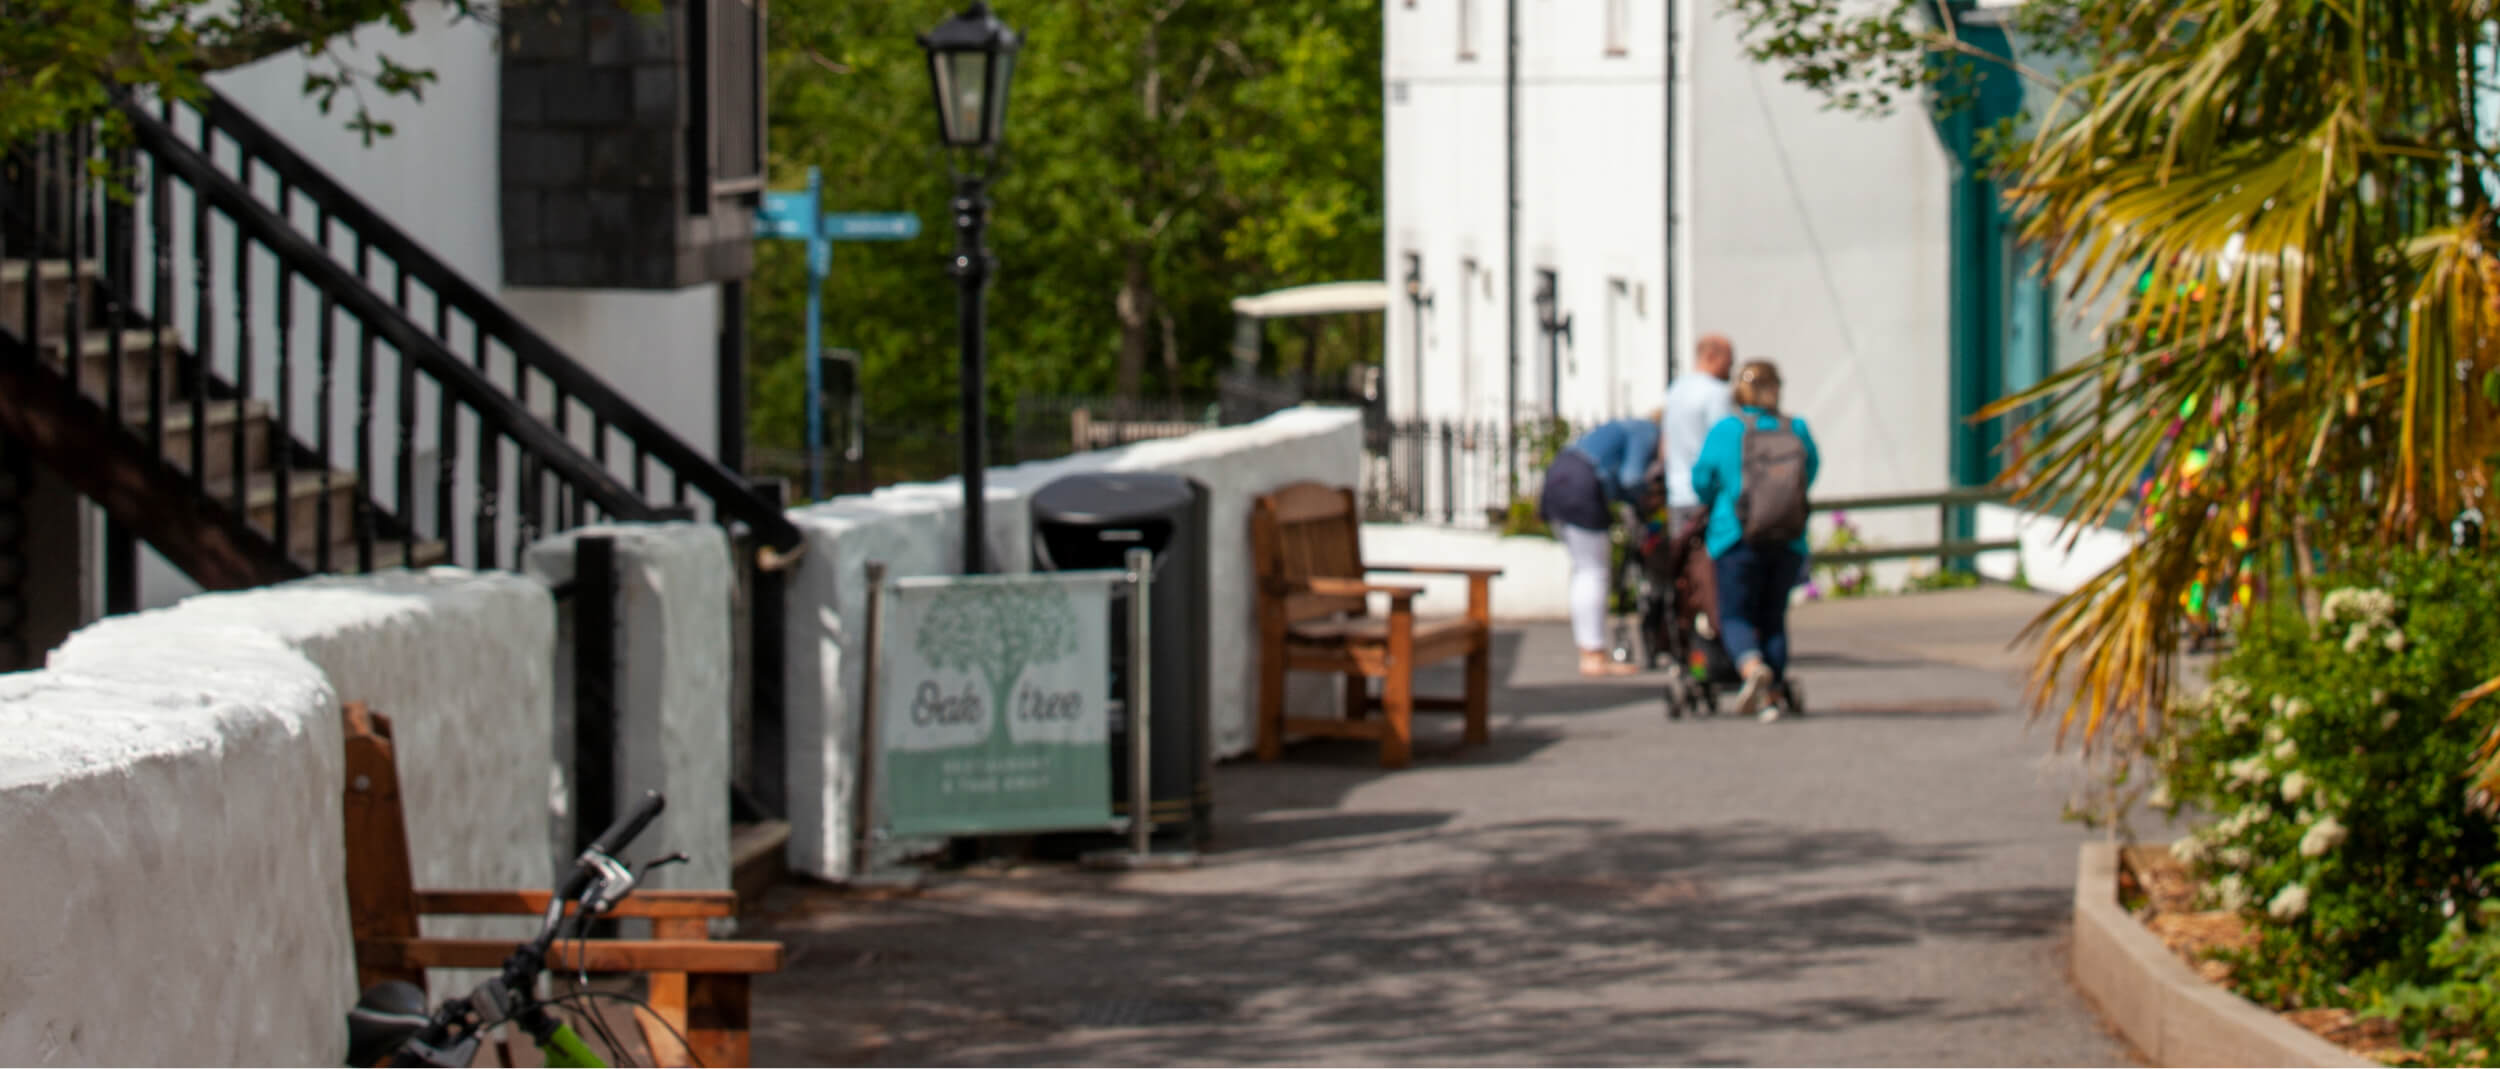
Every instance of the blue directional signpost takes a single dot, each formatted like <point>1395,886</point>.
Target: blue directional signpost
<point>798,215</point>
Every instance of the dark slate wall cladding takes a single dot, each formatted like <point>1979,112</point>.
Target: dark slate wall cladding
<point>595,167</point>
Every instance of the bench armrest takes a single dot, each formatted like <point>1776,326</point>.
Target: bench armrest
<point>1479,583</point>
<point>1435,569</point>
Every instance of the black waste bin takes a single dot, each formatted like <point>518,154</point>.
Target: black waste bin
<point>1091,521</point>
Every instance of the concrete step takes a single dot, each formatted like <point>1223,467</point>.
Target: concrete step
<point>98,363</point>
<point>759,857</point>
<point>387,553</point>
<point>54,281</point>
<point>304,500</point>
<point>218,434</point>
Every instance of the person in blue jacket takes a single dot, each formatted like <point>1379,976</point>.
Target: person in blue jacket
<point>1601,470</point>
<point>1754,578</point>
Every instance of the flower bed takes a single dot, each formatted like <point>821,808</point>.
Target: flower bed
<point>2157,888</point>
<point>2345,876</point>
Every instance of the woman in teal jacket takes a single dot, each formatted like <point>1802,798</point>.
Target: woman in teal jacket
<point>1754,578</point>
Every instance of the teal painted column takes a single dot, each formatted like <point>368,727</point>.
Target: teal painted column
<point>1999,335</point>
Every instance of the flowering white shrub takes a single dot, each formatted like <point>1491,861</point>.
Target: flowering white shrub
<point>2321,837</point>
<point>2333,780</point>
<point>2289,903</point>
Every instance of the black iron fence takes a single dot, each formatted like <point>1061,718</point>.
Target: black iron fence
<point>1248,396</point>
<point>1459,473</point>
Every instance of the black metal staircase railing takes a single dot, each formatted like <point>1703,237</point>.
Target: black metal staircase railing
<point>320,378</point>
<point>571,399</point>
<point>220,388</point>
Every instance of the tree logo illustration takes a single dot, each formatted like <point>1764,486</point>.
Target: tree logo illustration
<point>994,630</point>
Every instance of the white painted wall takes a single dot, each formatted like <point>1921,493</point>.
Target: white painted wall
<point>915,530</point>
<point>2053,557</point>
<point>179,773</point>
<point>459,661</point>
<point>659,349</point>
<point>672,690</point>
<point>1536,574</point>
<point>178,896</point>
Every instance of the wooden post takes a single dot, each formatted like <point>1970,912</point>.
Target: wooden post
<point>381,894</point>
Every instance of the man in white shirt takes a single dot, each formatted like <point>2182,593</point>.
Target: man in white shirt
<point>1696,403</point>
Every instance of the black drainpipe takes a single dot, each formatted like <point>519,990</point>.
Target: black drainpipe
<point>1510,256</point>
<point>1666,291</point>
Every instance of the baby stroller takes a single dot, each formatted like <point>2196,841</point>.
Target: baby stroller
<point>1675,599</point>
<point>1666,583</point>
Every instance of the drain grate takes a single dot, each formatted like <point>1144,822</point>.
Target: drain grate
<point>1131,1011</point>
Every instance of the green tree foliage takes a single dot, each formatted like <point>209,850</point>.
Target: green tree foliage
<point>1163,157</point>
<point>61,61</point>
<point>2286,205</point>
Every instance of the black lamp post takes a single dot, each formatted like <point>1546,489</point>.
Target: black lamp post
<point>971,58</point>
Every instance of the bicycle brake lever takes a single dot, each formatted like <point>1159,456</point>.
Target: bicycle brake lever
<point>678,858</point>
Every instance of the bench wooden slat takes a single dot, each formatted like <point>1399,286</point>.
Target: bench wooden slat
<point>1374,630</point>
<point>534,903</point>
<point>600,955</point>
<point>1435,569</point>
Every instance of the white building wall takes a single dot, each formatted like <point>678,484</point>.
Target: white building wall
<point>1820,240</point>
<point>1813,237</point>
<point>1593,205</point>
<point>1447,191</point>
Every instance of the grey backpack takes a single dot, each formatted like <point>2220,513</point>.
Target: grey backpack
<point>1771,504</point>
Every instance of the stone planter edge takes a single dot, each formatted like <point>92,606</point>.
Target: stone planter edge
<point>2172,1015</point>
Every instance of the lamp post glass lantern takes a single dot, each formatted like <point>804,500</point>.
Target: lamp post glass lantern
<point>972,57</point>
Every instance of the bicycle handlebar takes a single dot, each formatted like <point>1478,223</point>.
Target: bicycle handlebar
<point>617,837</point>
<point>624,830</point>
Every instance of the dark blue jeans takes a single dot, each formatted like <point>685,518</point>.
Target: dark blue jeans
<point>1754,583</point>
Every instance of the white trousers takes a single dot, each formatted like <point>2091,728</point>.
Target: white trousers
<point>1592,556</point>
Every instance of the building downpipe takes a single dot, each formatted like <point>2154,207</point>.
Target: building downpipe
<point>1667,277</point>
<point>1510,237</point>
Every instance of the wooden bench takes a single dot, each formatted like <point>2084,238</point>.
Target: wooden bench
<point>698,985</point>
<point>1314,615</point>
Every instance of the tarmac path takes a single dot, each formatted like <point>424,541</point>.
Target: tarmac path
<point>1885,882</point>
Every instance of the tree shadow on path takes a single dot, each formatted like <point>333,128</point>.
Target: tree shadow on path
<point>1386,938</point>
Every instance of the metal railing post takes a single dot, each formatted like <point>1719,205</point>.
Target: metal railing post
<point>1449,476</point>
<point>594,686</point>
<point>767,713</point>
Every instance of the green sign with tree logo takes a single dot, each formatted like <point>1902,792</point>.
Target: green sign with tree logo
<point>991,704</point>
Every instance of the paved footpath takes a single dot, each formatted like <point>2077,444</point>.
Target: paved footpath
<point>1886,882</point>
